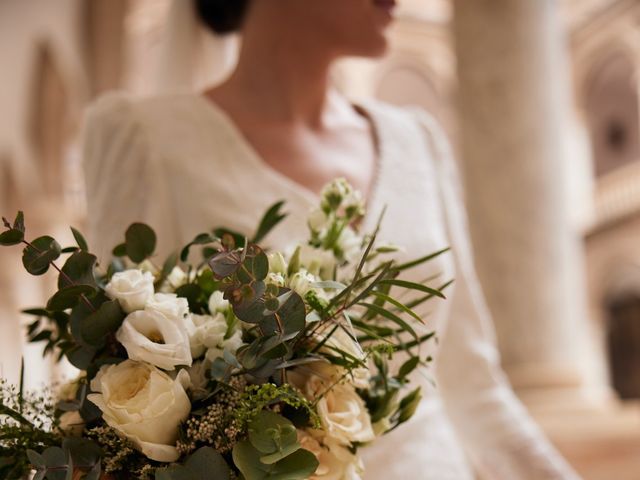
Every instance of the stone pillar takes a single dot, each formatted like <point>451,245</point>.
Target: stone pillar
<point>514,102</point>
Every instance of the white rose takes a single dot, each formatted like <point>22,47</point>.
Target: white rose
<point>132,289</point>
<point>151,336</point>
<point>144,404</point>
<point>217,303</point>
<point>170,305</point>
<point>343,414</point>
<point>206,332</point>
<point>335,462</point>
<point>301,282</point>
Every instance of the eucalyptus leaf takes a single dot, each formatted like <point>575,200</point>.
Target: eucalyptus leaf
<point>299,465</point>
<point>140,241</point>
<point>11,237</point>
<point>68,297</point>
<point>271,433</point>
<point>82,243</point>
<point>78,270</point>
<point>106,320</point>
<point>37,256</point>
<point>271,218</point>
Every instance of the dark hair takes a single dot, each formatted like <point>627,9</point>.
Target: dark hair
<point>222,16</point>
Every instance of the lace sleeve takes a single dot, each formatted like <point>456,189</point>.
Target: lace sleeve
<point>503,441</point>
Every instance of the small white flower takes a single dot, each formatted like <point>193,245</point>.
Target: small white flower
<point>144,404</point>
<point>148,266</point>
<point>301,282</point>
<point>217,303</point>
<point>317,261</point>
<point>276,279</point>
<point>177,277</point>
<point>206,333</point>
<point>132,288</point>
<point>318,220</point>
<point>350,244</point>
<point>277,263</point>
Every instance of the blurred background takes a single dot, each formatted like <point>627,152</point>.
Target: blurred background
<point>541,101</point>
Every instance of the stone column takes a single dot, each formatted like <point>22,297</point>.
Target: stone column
<point>514,102</point>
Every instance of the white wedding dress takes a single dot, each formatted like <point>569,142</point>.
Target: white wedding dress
<point>179,163</point>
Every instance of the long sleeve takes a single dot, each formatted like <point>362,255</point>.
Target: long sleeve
<point>124,176</point>
<point>502,440</point>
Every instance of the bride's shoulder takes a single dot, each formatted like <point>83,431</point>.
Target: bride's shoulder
<point>123,108</point>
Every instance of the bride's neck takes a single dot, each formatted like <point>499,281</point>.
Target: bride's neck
<point>283,76</point>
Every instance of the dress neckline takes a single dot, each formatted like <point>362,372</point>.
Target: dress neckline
<point>310,196</point>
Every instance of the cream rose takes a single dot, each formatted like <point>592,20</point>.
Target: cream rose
<point>132,288</point>
<point>335,462</point>
<point>144,404</point>
<point>158,334</point>
<point>341,341</point>
<point>343,414</point>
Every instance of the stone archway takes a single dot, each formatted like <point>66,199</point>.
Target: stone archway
<point>611,105</point>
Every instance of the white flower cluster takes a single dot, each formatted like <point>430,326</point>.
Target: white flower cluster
<point>138,397</point>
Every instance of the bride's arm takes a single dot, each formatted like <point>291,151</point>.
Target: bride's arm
<point>123,176</point>
<point>503,441</point>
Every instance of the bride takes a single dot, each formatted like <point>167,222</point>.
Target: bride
<point>276,130</point>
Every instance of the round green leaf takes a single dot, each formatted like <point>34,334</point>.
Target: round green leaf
<point>140,240</point>
<point>11,237</point>
<point>79,269</point>
<point>107,319</point>
<point>271,433</point>
<point>37,257</point>
<point>68,297</point>
<point>82,243</point>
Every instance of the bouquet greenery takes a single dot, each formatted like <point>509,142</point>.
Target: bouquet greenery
<point>243,364</point>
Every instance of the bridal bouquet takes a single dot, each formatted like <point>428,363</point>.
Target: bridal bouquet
<point>244,364</point>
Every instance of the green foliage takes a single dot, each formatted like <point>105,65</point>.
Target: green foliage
<point>272,450</point>
<point>204,464</point>
<point>14,235</point>
<point>271,218</point>
<point>38,255</point>
<point>140,242</point>
<point>26,422</point>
